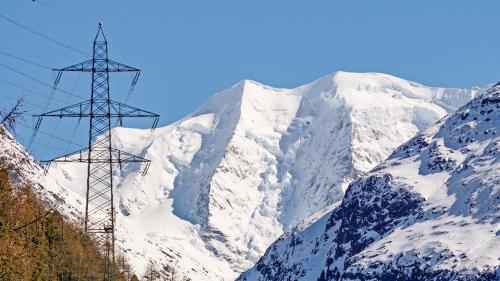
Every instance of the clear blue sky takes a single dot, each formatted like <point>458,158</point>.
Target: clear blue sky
<point>188,50</point>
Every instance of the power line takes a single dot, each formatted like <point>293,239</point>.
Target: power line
<point>29,91</point>
<point>134,79</point>
<point>26,102</point>
<point>49,135</point>
<point>42,35</point>
<point>25,60</point>
<point>56,127</point>
<point>36,80</point>
<point>56,80</point>
<point>72,138</point>
<point>65,13</point>
<point>40,144</point>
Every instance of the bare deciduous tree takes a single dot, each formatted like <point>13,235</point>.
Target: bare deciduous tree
<point>152,272</point>
<point>10,118</point>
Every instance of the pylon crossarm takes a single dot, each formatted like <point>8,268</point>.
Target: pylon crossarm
<point>114,66</point>
<point>121,156</point>
<point>117,110</point>
<point>100,65</point>
<point>76,156</point>
<point>76,110</point>
<point>82,156</point>
<point>120,110</point>
<point>82,66</point>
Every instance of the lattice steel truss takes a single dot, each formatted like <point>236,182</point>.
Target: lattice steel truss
<point>100,156</point>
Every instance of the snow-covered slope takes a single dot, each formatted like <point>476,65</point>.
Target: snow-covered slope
<point>227,180</point>
<point>26,170</point>
<point>430,212</point>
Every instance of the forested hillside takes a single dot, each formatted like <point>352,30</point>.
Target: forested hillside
<point>37,243</point>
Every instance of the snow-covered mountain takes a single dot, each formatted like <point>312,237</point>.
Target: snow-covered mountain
<point>253,161</point>
<point>430,212</point>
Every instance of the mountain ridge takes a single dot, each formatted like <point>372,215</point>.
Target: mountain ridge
<point>413,216</point>
<point>252,161</point>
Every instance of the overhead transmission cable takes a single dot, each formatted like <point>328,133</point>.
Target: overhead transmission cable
<point>25,60</point>
<point>47,104</point>
<point>56,78</point>
<point>23,139</point>
<point>46,5</point>
<point>37,80</point>
<point>134,78</point>
<point>53,89</point>
<point>29,90</point>
<point>56,127</point>
<point>133,81</point>
<point>42,35</point>
<point>79,119</point>
<point>24,101</point>
<point>49,135</point>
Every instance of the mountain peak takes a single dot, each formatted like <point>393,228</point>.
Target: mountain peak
<point>253,161</point>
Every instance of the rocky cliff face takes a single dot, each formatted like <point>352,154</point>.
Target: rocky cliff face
<point>430,212</point>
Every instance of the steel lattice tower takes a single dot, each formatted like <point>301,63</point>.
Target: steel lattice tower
<point>101,158</point>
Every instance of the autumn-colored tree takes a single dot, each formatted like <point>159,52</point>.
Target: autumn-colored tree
<point>38,243</point>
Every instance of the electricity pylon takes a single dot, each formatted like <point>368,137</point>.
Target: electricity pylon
<point>100,156</point>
